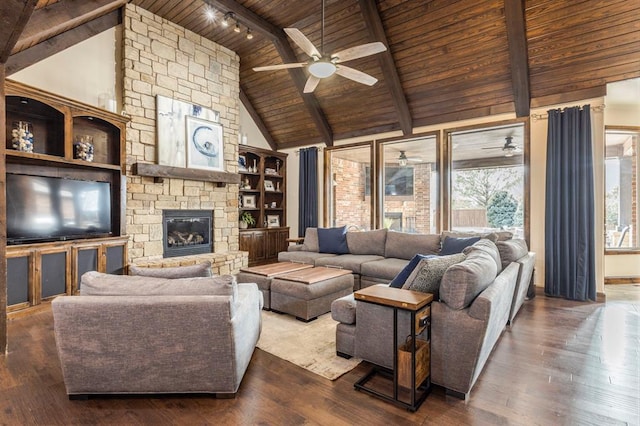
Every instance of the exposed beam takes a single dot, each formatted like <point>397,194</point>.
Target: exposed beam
<point>518,55</point>
<point>281,43</point>
<point>14,15</point>
<point>257,119</point>
<point>373,22</point>
<point>63,16</point>
<point>40,51</point>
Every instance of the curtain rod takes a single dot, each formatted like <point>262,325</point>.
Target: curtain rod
<point>536,117</point>
<point>320,149</point>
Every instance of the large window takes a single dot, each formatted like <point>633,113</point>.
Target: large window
<point>621,188</point>
<point>487,190</point>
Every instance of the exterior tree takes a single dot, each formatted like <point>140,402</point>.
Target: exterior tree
<point>479,185</point>
<point>501,210</point>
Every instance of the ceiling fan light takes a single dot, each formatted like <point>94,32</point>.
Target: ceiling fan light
<point>508,151</point>
<point>402,159</point>
<point>322,69</point>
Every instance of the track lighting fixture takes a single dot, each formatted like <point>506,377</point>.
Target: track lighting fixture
<point>236,28</point>
<point>227,18</point>
<point>249,34</point>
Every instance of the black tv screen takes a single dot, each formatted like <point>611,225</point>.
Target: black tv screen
<point>51,209</point>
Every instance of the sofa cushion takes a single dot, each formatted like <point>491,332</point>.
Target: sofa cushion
<point>384,269</point>
<point>488,247</point>
<point>310,240</point>
<point>98,284</point>
<point>511,250</point>
<point>333,240</point>
<point>351,262</point>
<point>399,280</point>
<point>191,271</point>
<point>344,309</point>
<point>462,282</point>
<point>367,242</point>
<point>426,277</point>
<point>462,234</point>
<point>308,257</point>
<point>453,245</point>
<point>404,246</point>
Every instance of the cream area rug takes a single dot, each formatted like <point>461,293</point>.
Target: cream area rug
<point>311,345</point>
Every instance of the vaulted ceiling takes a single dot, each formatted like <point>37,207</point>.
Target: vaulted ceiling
<point>446,60</point>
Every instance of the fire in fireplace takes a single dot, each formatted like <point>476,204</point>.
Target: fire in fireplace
<point>187,232</point>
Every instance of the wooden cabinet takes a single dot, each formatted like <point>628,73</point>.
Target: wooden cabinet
<point>263,195</point>
<point>39,272</point>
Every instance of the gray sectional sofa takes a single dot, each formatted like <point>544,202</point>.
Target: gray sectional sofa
<point>477,298</point>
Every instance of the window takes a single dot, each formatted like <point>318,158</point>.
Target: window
<point>621,188</point>
<point>397,181</point>
<point>487,190</point>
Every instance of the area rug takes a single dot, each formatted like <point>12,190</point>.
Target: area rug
<point>311,345</point>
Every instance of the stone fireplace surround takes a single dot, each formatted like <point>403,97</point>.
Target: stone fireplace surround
<point>161,58</point>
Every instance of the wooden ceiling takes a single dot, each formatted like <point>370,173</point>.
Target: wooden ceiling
<point>446,60</point>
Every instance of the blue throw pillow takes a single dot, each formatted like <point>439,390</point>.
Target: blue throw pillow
<point>333,240</point>
<point>402,276</point>
<point>452,245</point>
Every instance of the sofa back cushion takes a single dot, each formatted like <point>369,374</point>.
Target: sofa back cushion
<point>98,284</point>
<point>453,245</point>
<point>488,247</point>
<point>404,246</point>
<point>190,271</point>
<point>367,242</point>
<point>462,234</point>
<point>333,240</point>
<point>310,240</point>
<point>462,282</point>
<point>427,276</point>
<point>511,250</point>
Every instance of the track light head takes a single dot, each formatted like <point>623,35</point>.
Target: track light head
<point>249,34</point>
<point>227,18</point>
<point>236,28</point>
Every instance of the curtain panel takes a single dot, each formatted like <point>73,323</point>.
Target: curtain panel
<point>569,211</point>
<point>308,190</point>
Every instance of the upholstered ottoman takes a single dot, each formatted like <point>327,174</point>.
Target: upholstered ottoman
<point>308,293</point>
<point>263,274</point>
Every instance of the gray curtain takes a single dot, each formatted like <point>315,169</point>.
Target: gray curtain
<point>569,211</point>
<point>308,190</point>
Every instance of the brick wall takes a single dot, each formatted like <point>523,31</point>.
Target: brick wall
<point>161,58</point>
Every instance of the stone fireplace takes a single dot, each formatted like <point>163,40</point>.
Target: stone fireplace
<point>186,232</point>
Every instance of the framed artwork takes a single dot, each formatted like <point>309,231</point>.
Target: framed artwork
<point>249,201</point>
<point>170,128</point>
<point>273,221</point>
<point>268,185</point>
<point>242,163</point>
<point>204,144</point>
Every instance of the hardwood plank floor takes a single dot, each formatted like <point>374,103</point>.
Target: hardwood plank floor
<point>561,363</point>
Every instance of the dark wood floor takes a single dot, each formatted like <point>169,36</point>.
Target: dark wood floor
<point>562,363</point>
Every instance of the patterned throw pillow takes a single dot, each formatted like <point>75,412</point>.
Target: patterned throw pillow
<point>427,275</point>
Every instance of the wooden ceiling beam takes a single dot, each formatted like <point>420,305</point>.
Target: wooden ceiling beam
<point>373,23</point>
<point>257,119</point>
<point>14,15</point>
<point>518,55</point>
<point>77,13</point>
<point>281,43</point>
<point>21,60</point>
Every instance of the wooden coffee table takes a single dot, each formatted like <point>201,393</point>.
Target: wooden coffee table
<point>308,293</point>
<point>263,274</point>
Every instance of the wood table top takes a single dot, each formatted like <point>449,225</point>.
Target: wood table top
<point>314,275</point>
<point>400,298</point>
<point>273,269</point>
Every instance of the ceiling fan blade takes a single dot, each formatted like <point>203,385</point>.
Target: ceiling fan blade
<point>355,75</point>
<point>359,51</point>
<point>280,67</point>
<point>493,147</point>
<point>302,41</point>
<point>311,85</point>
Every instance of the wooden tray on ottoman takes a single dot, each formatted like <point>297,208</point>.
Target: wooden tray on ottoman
<point>263,274</point>
<point>308,293</point>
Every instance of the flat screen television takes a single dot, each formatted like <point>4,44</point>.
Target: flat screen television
<point>43,209</point>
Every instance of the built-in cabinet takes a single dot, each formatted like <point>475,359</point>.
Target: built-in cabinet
<point>263,195</point>
<point>54,137</point>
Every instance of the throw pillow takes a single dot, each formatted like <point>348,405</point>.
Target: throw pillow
<point>427,276</point>
<point>403,275</point>
<point>190,271</point>
<point>453,245</point>
<point>487,247</point>
<point>333,240</point>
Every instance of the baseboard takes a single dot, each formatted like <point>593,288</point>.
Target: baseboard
<point>622,280</point>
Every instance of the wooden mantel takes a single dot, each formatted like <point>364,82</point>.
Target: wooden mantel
<point>160,172</point>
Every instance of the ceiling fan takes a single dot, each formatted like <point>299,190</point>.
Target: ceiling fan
<point>509,148</point>
<point>403,160</point>
<point>321,65</point>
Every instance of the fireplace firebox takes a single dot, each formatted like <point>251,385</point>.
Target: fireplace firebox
<point>187,232</point>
